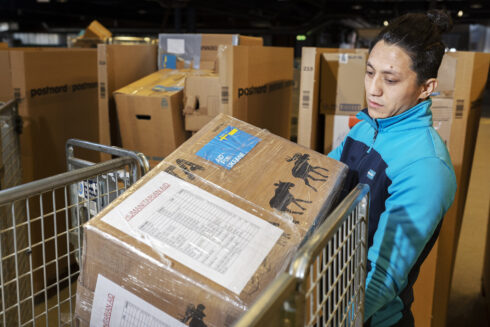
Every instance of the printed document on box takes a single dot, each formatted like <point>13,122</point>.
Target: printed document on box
<point>117,307</point>
<point>196,228</point>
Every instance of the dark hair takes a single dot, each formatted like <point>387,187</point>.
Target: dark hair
<point>420,36</point>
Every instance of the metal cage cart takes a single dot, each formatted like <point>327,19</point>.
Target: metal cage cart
<point>40,235</point>
<point>325,282</point>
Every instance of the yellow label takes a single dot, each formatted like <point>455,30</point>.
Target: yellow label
<point>233,131</point>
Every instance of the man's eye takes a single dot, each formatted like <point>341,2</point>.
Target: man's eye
<point>369,73</point>
<point>390,81</point>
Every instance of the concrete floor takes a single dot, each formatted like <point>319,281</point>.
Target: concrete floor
<point>467,306</point>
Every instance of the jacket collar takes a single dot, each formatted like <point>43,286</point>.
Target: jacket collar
<point>415,117</point>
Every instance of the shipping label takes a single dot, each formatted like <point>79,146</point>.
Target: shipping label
<point>228,147</point>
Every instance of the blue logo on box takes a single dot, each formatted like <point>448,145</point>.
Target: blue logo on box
<point>228,147</point>
<point>169,61</point>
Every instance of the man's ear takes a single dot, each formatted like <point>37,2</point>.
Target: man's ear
<point>427,88</point>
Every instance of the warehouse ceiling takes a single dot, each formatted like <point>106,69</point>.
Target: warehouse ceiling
<point>253,17</point>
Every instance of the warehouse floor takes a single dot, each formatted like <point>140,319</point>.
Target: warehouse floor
<point>467,306</point>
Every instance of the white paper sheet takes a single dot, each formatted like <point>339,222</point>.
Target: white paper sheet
<point>205,233</point>
<point>176,46</point>
<point>115,306</point>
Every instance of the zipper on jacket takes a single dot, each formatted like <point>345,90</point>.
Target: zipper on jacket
<point>375,135</point>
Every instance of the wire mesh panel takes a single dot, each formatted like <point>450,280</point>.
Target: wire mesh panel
<point>333,270</point>
<point>333,289</point>
<point>10,125</point>
<point>38,220</point>
<point>326,280</point>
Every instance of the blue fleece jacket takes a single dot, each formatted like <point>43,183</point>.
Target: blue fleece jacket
<point>412,185</point>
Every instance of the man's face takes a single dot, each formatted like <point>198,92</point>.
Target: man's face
<point>390,83</point>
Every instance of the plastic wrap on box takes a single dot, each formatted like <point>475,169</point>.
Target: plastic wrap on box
<point>203,233</point>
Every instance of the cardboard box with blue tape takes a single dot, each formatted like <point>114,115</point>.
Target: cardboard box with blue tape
<point>201,235</point>
<point>198,51</point>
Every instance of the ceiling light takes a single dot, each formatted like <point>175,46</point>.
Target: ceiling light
<point>300,37</point>
<point>385,23</point>
<point>476,6</point>
<point>357,7</point>
<point>460,13</point>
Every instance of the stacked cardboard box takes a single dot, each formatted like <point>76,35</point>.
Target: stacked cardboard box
<point>198,51</point>
<point>252,83</point>
<point>471,77</point>
<point>150,115</point>
<point>56,90</point>
<point>200,236</point>
<point>342,94</point>
<point>332,82</point>
<point>443,97</point>
<point>118,66</point>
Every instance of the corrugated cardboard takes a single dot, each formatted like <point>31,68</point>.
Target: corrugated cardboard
<point>97,30</point>
<point>310,125</point>
<point>150,113</point>
<point>342,83</point>
<point>201,100</point>
<point>118,66</point>
<point>442,109</point>
<point>446,77</point>
<point>6,91</point>
<point>336,129</point>
<point>256,86</point>
<point>57,94</point>
<point>202,95</point>
<point>251,185</point>
<point>197,50</point>
<point>471,78</point>
<point>486,267</point>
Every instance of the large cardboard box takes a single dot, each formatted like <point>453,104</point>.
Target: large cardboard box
<point>198,51</point>
<point>432,289</point>
<point>442,109</point>
<point>254,84</point>
<point>342,83</point>
<point>486,267</point>
<point>336,129</point>
<point>118,66</point>
<point>6,91</point>
<point>56,91</point>
<point>446,77</point>
<point>150,113</point>
<point>310,122</point>
<point>209,228</point>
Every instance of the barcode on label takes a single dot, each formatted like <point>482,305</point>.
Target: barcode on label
<point>102,90</point>
<point>353,107</point>
<point>305,99</point>
<point>224,95</point>
<point>459,109</point>
<point>343,58</point>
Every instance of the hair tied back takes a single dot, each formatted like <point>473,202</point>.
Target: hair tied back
<point>441,20</point>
